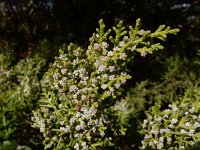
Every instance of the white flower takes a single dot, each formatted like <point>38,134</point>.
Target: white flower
<point>187,124</point>
<point>104,58</point>
<point>155,132</point>
<point>94,80</point>
<point>111,68</point>
<point>174,121</point>
<point>55,76</point>
<point>97,46</point>
<point>133,48</point>
<point>162,131</point>
<point>143,53</point>
<point>117,85</point>
<point>112,77</point>
<point>104,45</point>
<point>182,147</point>
<point>123,81</point>
<point>110,54</point>
<point>171,126</point>
<point>76,146</point>
<point>191,110</point>
<point>72,120</point>
<point>191,133</point>
<point>97,35</point>
<point>102,68</point>
<point>105,76</point>
<point>160,145</point>
<point>194,117</point>
<point>93,129</point>
<point>151,144</point>
<point>158,119</point>
<point>141,32</point>
<point>121,43</point>
<point>165,116</point>
<point>78,128</point>
<point>84,145</point>
<point>62,122</point>
<point>73,88</point>
<point>62,57</point>
<point>97,63</point>
<point>196,125</point>
<point>104,86</point>
<point>122,56</point>
<point>155,142</point>
<point>183,131</point>
<point>116,49</point>
<point>146,136</point>
<point>169,139</point>
<point>102,133</point>
<point>161,139</point>
<point>83,97</point>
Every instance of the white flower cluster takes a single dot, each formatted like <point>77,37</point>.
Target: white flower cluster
<point>82,115</point>
<point>178,126</point>
<point>83,86</point>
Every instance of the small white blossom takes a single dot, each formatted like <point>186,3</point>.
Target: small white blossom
<point>122,56</point>
<point>105,76</point>
<point>104,45</point>
<point>102,68</point>
<point>143,54</point>
<point>83,97</point>
<point>158,119</point>
<point>76,146</point>
<point>161,139</point>
<point>160,145</point>
<point>121,43</point>
<point>73,88</point>
<point>169,139</point>
<point>171,126</point>
<point>84,145</point>
<point>133,48</point>
<point>97,35</point>
<point>162,131</point>
<point>102,133</point>
<point>123,81</point>
<point>174,121</point>
<point>183,131</point>
<point>78,128</point>
<point>110,54</point>
<point>117,85</point>
<point>104,86</point>
<point>72,120</point>
<point>112,77</point>
<point>62,122</point>
<point>196,124</point>
<point>116,49</point>
<point>97,46</point>
<point>191,110</point>
<point>187,124</point>
<point>111,68</point>
<point>141,32</point>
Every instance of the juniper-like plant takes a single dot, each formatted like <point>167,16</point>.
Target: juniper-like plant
<point>81,88</point>
<point>174,128</point>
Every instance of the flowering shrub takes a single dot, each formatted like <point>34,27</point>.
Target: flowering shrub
<point>78,109</point>
<point>20,89</point>
<point>177,127</point>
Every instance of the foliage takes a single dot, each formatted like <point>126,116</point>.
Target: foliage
<point>20,88</point>
<point>177,127</point>
<point>177,75</point>
<point>77,110</point>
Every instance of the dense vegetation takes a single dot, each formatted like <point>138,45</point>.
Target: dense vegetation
<point>117,90</point>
